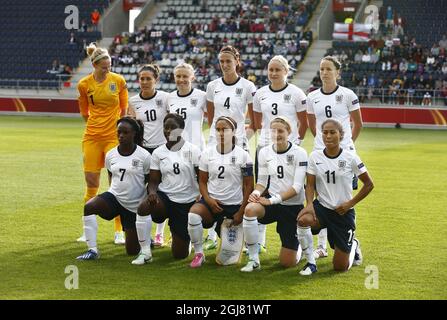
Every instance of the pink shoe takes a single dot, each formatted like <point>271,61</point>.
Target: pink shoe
<point>199,259</point>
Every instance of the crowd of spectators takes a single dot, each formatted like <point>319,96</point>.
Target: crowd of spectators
<point>199,43</point>
<point>392,67</point>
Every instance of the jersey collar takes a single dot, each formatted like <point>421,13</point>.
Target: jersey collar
<point>149,97</point>
<point>271,89</point>
<point>188,94</point>
<point>335,157</point>
<point>231,84</point>
<point>329,93</point>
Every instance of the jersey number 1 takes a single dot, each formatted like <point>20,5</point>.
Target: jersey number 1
<point>328,176</point>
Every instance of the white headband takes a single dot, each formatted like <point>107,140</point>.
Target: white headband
<point>101,56</point>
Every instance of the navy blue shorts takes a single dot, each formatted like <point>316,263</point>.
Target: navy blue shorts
<point>285,216</point>
<point>227,212</point>
<point>150,150</point>
<point>177,214</point>
<point>340,229</point>
<point>128,218</point>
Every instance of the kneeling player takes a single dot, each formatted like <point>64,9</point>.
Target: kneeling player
<point>282,165</point>
<point>173,189</point>
<point>330,172</point>
<point>128,165</point>
<point>225,182</point>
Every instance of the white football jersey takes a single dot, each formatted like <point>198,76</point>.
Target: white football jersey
<point>128,172</point>
<point>286,102</point>
<point>178,177</point>
<point>191,107</point>
<point>334,176</point>
<point>225,173</point>
<point>231,101</point>
<point>286,169</point>
<point>336,105</point>
<point>152,112</point>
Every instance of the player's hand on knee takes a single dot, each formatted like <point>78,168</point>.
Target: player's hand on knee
<point>215,205</point>
<point>264,201</point>
<point>237,218</point>
<point>343,208</point>
<point>153,199</point>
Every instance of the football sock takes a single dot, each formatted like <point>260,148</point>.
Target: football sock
<point>251,234</point>
<point>90,231</point>
<point>322,238</point>
<point>212,234</point>
<point>90,193</point>
<point>195,230</point>
<point>299,253</point>
<point>352,253</point>
<point>118,226</point>
<point>262,231</point>
<point>160,228</point>
<point>144,225</point>
<point>306,241</point>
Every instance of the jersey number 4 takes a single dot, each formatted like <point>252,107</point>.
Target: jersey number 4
<point>227,103</point>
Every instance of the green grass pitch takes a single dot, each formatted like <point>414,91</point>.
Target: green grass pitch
<point>402,226</point>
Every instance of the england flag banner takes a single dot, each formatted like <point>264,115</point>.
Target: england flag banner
<point>352,31</point>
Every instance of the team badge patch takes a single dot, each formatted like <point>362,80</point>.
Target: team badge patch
<point>303,164</point>
<point>339,98</point>
<point>135,162</point>
<point>287,98</point>
<point>187,155</point>
<point>112,87</point>
<point>290,158</point>
<point>231,243</point>
<point>233,160</point>
<point>303,102</point>
<point>354,102</point>
<point>239,92</point>
<point>159,103</point>
<point>194,102</point>
<point>341,164</point>
<point>361,165</point>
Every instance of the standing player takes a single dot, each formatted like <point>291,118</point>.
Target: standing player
<point>151,107</point>
<point>280,98</point>
<point>102,101</point>
<point>282,166</point>
<point>225,182</point>
<point>189,103</point>
<point>173,189</point>
<point>128,165</point>
<point>230,96</point>
<point>333,102</point>
<point>330,172</point>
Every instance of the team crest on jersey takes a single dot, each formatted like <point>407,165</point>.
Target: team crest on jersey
<point>187,155</point>
<point>159,103</point>
<point>339,98</point>
<point>135,162</point>
<point>112,87</point>
<point>341,164</point>
<point>287,98</point>
<point>194,102</point>
<point>233,160</point>
<point>239,92</point>
<point>290,158</point>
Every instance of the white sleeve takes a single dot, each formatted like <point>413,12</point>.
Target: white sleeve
<point>107,162</point>
<point>155,163</point>
<point>147,163</point>
<point>301,104</point>
<point>166,101</point>
<point>251,90</point>
<point>357,166</point>
<point>195,156</point>
<point>257,103</point>
<point>311,167</point>
<point>169,102</point>
<point>210,91</point>
<point>203,163</point>
<point>300,171</point>
<point>203,101</point>
<point>310,106</point>
<point>263,171</point>
<point>353,102</point>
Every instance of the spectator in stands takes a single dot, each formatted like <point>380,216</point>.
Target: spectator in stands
<point>73,41</point>
<point>428,93</point>
<point>100,109</point>
<point>95,16</point>
<point>56,67</point>
<point>443,42</point>
<point>84,26</point>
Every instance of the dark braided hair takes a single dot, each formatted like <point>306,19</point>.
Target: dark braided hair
<point>137,126</point>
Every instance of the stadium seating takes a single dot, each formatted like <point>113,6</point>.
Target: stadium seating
<point>184,31</point>
<point>33,35</point>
